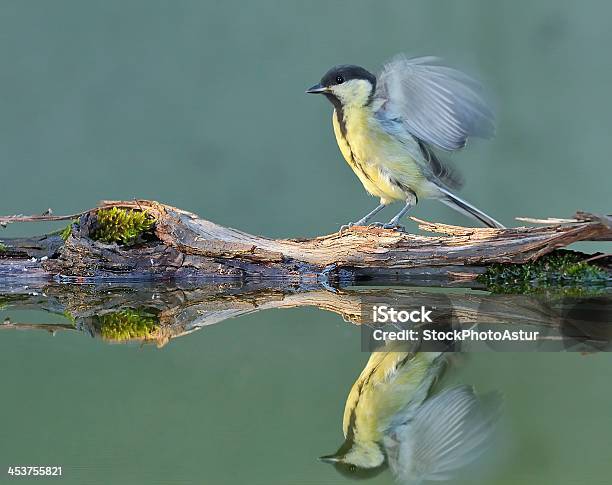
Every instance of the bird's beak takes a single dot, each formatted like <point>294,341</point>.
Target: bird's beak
<point>329,458</point>
<point>316,89</point>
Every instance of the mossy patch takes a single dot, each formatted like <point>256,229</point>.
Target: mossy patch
<point>561,271</point>
<point>127,324</point>
<point>68,316</point>
<point>65,233</point>
<point>123,226</point>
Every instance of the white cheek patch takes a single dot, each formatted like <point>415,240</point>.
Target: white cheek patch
<point>355,91</point>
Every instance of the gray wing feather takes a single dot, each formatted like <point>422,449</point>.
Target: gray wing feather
<point>437,104</point>
<point>449,431</point>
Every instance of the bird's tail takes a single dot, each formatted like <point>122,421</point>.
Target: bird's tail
<point>468,209</point>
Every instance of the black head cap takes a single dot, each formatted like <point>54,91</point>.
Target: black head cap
<point>352,471</point>
<point>346,72</point>
<point>341,74</point>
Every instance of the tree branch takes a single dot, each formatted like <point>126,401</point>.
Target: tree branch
<point>178,245</point>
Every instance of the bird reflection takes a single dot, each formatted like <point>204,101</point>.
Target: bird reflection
<point>392,418</point>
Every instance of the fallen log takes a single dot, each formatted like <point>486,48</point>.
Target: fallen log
<point>144,240</point>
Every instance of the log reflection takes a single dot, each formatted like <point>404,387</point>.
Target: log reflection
<point>159,313</point>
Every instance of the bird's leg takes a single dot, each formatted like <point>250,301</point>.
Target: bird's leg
<point>394,222</point>
<point>363,221</point>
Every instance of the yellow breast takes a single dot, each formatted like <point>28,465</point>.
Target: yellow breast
<point>380,162</point>
<point>387,384</point>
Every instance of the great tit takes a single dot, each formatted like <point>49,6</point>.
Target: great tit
<point>391,385</point>
<point>391,418</point>
<point>388,126</point>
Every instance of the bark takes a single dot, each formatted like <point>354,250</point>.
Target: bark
<point>184,246</point>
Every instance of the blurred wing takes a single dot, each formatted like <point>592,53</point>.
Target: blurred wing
<point>448,432</point>
<point>437,104</point>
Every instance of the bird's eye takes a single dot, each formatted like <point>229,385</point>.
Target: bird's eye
<point>339,79</point>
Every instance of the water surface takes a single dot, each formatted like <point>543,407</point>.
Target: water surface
<point>257,399</point>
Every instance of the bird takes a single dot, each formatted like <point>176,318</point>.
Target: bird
<point>390,128</point>
<point>389,385</point>
<point>391,418</point>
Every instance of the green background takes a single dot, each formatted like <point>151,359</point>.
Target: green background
<point>201,105</point>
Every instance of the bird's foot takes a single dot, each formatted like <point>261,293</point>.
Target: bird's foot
<point>395,226</point>
<point>345,227</point>
<point>360,222</point>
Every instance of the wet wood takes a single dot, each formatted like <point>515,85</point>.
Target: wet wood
<point>186,246</point>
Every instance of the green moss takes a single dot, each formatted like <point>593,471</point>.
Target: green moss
<point>561,271</point>
<point>65,233</point>
<point>68,316</point>
<point>127,324</point>
<point>124,226</point>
